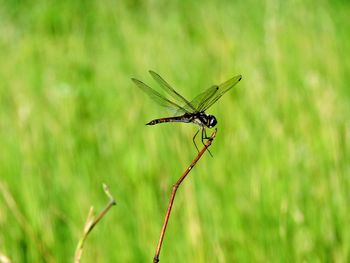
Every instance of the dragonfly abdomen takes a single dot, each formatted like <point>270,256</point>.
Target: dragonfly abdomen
<point>170,119</point>
<point>153,122</point>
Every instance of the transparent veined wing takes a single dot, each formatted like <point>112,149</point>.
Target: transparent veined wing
<point>222,89</point>
<point>166,86</point>
<point>202,99</point>
<point>157,97</point>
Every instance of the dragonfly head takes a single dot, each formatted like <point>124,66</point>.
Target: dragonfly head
<point>211,121</point>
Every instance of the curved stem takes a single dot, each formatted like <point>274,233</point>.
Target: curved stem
<point>173,193</point>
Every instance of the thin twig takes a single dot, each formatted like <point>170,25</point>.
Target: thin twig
<point>173,193</point>
<point>91,222</point>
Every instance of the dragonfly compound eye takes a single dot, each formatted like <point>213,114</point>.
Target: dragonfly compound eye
<point>212,121</point>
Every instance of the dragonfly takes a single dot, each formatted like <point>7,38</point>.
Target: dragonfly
<point>187,111</point>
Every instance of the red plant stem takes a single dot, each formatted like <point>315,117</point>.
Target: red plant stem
<point>173,193</point>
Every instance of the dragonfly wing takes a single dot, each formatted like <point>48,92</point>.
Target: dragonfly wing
<point>157,97</point>
<point>166,86</point>
<point>202,98</point>
<point>212,91</point>
<point>222,89</point>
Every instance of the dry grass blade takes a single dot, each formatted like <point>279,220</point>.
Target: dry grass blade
<point>91,222</point>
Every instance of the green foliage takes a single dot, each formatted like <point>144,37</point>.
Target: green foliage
<point>277,189</point>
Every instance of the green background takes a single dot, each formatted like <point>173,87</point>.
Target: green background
<point>278,187</point>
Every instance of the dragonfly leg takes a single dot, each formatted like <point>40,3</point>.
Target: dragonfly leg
<point>194,142</point>
<point>205,137</point>
<point>205,134</point>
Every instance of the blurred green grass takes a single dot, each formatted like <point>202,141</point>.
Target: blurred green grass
<point>277,188</point>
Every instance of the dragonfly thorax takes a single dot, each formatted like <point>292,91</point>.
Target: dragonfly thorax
<point>204,119</point>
